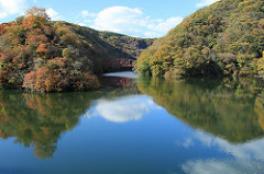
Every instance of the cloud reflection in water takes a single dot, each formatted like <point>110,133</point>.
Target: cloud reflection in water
<point>123,109</point>
<point>246,158</point>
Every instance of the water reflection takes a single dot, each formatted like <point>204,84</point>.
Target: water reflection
<point>233,111</point>
<point>121,110</point>
<point>189,127</point>
<point>39,120</point>
<point>246,158</point>
<point>228,116</point>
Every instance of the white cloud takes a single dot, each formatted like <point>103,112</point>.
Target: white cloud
<point>11,7</point>
<point>3,14</point>
<point>203,3</point>
<point>121,19</point>
<point>118,19</point>
<point>15,7</point>
<point>53,14</point>
<point>86,17</point>
<point>88,14</point>
<point>130,21</point>
<point>121,110</point>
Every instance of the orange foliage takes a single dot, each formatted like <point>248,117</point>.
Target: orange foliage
<point>2,29</point>
<point>45,80</point>
<point>41,74</point>
<point>2,56</point>
<point>4,26</point>
<point>29,79</point>
<point>42,49</point>
<point>36,39</point>
<point>55,82</point>
<point>35,79</point>
<point>28,21</point>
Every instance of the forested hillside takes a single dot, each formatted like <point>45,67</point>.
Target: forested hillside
<point>224,39</point>
<point>38,54</point>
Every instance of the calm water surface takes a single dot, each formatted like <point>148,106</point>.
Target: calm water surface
<point>135,126</point>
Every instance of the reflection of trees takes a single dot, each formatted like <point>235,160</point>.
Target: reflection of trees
<point>259,109</point>
<point>39,120</point>
<point>231,110</point>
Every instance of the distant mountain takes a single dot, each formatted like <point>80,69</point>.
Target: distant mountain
<point>224,39</point>
<point>40,55</point>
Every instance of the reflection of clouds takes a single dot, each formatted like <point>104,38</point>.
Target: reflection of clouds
<point>123,109</point>
<point>247,158</point>
<point>127,74</point>
<point>187,143</point>
<point>223,167</point>
<point>248,151</point>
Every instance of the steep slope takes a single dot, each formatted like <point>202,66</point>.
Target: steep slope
<point>224,39</point>
<point>40,55</point>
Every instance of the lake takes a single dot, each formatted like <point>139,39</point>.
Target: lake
<point>135,126</point>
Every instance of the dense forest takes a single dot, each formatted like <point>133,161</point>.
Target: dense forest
<point>37,54</point>
<point>224,39</point>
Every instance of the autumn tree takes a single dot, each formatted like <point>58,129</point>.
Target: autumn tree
<point>37,12</point>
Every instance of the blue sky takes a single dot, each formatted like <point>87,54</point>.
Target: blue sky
<point>142,18</point>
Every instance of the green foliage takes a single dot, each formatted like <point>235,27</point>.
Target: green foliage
<point>19,19</point>
<point>228,35</point>
<point>129,45</point>
<point>67,53</point>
